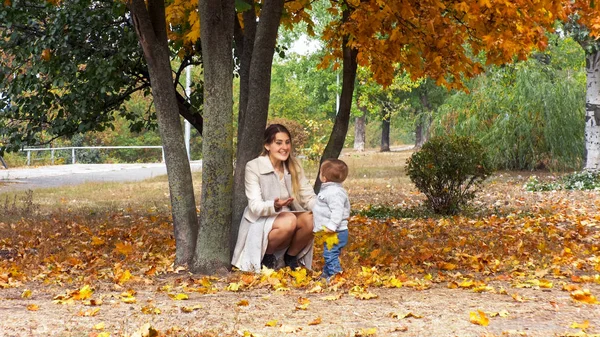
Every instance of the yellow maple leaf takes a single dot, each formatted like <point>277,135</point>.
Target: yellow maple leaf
<point>97,241</point>
<point>89,313</point>
<point>123,277</point>
<point>331,239</point>
<point>302,303</point>
<point>243,303</point>
<point>316,321</point>
<point>151,310</point>
<point>100,326</point>
<point>584,325</point>
<point>179,297</point>
<point>584,296</point>
<point>82,294</point>
<point>366,332</point>
<point>124,248</point>
<point>405,315</point>
<point>233,286</point>
<point>33,307</point>
<point>479,318</point>
<point>104,334</point>
<point>271,323</point>
<point>26,293</point>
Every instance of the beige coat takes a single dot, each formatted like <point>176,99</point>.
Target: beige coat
<point>262,187</point>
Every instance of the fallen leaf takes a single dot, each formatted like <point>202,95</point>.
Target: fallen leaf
<point>179,297</point>
<point>316,321</point>
<point>402,315</point>
<point>479,318</point>
<point>33,307</point>
<point>584,296</point>
<point>100,326</point>
<point>243,303</point>
<point>89,313</point>
<point>271,323</point>
<point>332,297</point>
<point>584,325</point>
<point>150,310</point>
<point>366,332</point>
<point>26,293</point>
<point>192,308</point>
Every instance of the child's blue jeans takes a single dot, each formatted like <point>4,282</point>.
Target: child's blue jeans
<point>332,256</point>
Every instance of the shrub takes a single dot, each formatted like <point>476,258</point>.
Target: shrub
<point>448,170</point>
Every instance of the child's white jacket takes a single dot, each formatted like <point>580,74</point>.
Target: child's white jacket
<point>332,208</point>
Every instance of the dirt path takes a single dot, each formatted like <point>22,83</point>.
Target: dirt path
<point>437,311</point>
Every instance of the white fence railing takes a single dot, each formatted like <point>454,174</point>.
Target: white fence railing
<point>74,148</point>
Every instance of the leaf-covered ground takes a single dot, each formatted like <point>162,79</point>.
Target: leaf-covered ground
<point>515,264</point>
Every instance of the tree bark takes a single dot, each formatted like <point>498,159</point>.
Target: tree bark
<point>423,121</point>
<point>254,106</point>
<point>360,132</point>
<point>592,112</point>
<point>340,127</point>
<point>150,26</point>
<point>212,247</point>
<point>360,127</point>
<point>385,134</point>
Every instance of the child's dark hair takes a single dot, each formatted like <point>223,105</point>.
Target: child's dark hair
<point>334,170</point>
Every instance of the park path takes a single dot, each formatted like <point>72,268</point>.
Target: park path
<point>18,179</point>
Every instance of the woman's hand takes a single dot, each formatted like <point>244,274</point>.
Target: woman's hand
<point>278,203</point>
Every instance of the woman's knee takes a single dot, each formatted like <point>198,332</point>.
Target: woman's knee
<point>285,222</point>
<point>305,221</point>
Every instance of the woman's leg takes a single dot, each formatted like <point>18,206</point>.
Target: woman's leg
<point>303,234</point>
<point>282,232</point>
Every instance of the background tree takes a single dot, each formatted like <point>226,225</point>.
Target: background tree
<point>582,16</point>
<point>78,85</point>
<point>150,25</point>
<point>434,39</point>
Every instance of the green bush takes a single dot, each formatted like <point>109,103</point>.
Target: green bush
<point>448,170</point>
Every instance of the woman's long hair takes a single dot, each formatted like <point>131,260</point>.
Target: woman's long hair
<point>291,163</point>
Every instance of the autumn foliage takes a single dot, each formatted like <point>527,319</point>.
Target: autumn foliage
<point>444,40</point>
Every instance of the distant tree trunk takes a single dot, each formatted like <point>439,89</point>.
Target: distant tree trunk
<point>212,246</point>
<point>423,122</point>
<point>359,133</point>
<point>340,127</point>
<point>150,25</point>
<point>258,43</point>
<point>419,137</point>
<point>385,134</point>
<point>592,112</point>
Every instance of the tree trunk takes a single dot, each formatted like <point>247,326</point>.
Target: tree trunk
<point>592,112</point>
<point>340,127</point>
<point>254,106</point>
<point>212,247</point>
<point>150,25</point>
<point>360,129</point>
<point>423,121</point>
<point>385,134</point>
<point>419,137</point>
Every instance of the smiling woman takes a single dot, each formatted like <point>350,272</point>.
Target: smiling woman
<point>276,229</point>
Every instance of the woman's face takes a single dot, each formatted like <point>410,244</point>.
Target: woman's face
<point>279,149</point>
